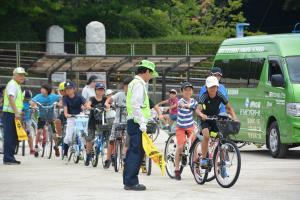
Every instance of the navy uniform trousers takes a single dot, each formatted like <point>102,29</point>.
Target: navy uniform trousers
<point>134,156</point>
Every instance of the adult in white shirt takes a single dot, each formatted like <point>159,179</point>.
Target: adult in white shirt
<point>89,90</point>
<point>12,110</point>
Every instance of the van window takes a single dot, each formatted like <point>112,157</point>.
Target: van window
<point>274,67</point>
<point>241,73</point>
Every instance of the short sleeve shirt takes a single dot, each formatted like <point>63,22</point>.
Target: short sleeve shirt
<point>74,104</point>
<point>120,101</point>
<point>211,106</point>
<point>173,101</point>
<point>221,89</point>
<point>88,92</point>
<point>185,115</point>
<point>45,101</point>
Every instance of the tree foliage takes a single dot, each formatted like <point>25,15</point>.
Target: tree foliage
<point>29,19</point>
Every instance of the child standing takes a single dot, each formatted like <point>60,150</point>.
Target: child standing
<point>27,114</point>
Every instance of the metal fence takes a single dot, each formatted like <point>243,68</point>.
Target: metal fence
<point>25,53</point>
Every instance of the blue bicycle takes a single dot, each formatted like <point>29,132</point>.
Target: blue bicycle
<point>101,140</point>
<point>77,148</point>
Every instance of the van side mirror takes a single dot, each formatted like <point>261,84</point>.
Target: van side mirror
<point>277,80</point>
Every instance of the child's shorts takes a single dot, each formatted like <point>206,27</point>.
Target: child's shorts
<point>183,133</point>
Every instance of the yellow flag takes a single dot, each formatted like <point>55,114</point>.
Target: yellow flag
<point>153,153</point>
<point>22,135</point>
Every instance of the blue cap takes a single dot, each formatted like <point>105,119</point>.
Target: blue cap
<point>69,84</point>
<point>100,86</point>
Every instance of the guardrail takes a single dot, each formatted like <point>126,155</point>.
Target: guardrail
<point>13,53</point>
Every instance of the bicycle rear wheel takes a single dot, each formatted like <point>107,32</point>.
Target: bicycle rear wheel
<point>200,175</point>
<point>170,152</point>
<point>227,163</point>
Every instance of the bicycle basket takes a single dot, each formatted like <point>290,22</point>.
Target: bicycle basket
<point>151,127</point>
<point>120,126</point>
<point>46,114</point>
<point>81,123</point>
<point>228,127</point>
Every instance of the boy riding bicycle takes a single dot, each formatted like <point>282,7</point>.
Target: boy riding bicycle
<point>95,102</point>
<point>45,98</point>
<point>185,123</point>
<point>210,103</point>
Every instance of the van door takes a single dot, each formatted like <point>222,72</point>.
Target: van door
<point>275,96</point>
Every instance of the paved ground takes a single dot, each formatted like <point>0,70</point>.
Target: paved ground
<point>262,177</point>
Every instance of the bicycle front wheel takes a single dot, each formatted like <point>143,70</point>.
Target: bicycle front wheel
<point>118,156</point>
<point>227,163</point>
<point>200,175</point>
<point>170,152</point>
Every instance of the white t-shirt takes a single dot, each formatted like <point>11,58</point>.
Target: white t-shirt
<point>88,92</point>
<point>12,89</point>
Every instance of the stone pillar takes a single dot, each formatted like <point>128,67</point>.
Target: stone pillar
<point>95,39</point>
<point>55,40</point>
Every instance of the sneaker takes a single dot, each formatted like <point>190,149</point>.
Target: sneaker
<point>12,162</point>
<point>87,160</point>
<point>57,154</point>
<point>107,164</point>
<point>224,172</point>
<point>138,187</point>
<point>204,163</point>
<point>177,175</point>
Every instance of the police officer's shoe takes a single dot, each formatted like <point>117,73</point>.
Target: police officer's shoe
<point>13,162</point>
<point>138,187</point>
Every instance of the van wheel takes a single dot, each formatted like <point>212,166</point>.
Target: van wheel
<point>277,149</point>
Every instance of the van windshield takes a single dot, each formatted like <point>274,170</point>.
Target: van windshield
<point>293,64</point>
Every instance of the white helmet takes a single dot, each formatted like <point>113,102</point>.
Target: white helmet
<point>109,92</point>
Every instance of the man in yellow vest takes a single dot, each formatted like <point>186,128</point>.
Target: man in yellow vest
<point>138,109</point>
<point>12,109</point>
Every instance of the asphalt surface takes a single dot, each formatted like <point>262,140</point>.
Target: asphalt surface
<point>261,177</point>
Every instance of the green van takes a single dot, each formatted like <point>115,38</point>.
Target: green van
<point>262,75</point>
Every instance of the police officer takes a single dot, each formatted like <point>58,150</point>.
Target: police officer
<point>138,109</point>
<point>12,109</point>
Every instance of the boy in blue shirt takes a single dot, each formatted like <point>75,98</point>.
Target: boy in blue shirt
<point>45,98</point>
<point>27,95</point>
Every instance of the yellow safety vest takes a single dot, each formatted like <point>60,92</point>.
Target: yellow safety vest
<point>146,106</point>
<point>18,100</point>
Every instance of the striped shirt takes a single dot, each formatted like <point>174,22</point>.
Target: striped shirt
<point>185,115</point>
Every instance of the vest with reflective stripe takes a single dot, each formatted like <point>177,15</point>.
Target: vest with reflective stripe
<point>18,99</point>
<point>146,112</point>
